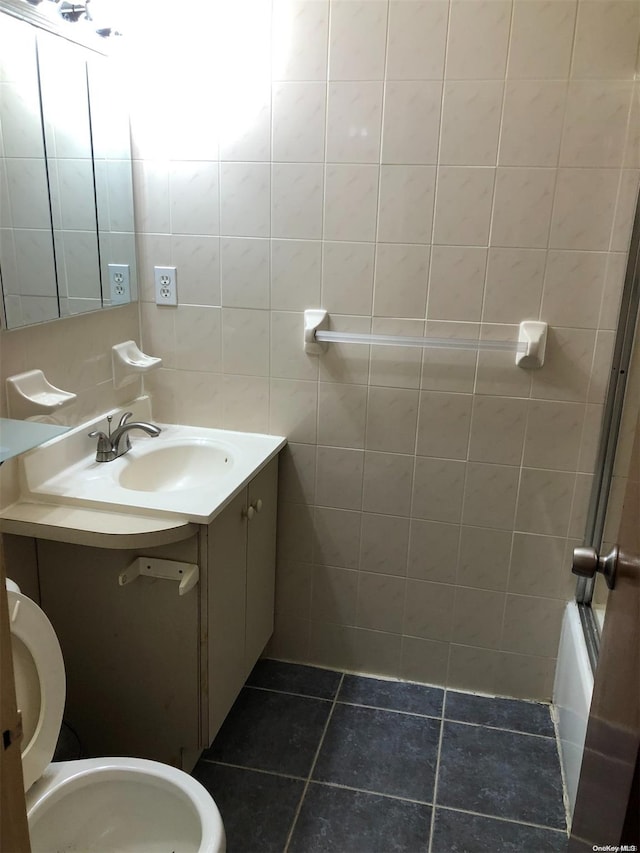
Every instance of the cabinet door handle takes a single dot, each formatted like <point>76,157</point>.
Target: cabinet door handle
<point>252,509</point>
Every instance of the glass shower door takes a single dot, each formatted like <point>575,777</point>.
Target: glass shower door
<point>620,416</point>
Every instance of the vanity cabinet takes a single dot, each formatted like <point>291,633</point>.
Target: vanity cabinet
<point>151,673</point>
<point>242,551</point>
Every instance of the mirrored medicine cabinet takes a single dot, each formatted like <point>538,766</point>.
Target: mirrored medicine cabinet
<point>67,241</point>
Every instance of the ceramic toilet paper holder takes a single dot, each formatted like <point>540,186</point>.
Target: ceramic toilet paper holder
<point>187,574</point>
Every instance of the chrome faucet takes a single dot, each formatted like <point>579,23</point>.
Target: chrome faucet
<point>111,445</point>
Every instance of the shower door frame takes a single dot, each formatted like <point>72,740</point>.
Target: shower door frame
<point>609,433</point>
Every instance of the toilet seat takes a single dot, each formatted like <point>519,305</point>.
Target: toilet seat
<point>142,793</point>
<point>124,804</point>
<point>40,683</point>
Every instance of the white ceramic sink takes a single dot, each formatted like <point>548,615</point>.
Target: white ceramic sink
<point>179,464</point>
<point>190,472</point>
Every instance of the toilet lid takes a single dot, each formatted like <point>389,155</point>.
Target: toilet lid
<point>38,669</point>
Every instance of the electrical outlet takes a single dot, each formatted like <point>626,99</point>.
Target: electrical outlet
<point>119,284</point>
<point>166,279</point>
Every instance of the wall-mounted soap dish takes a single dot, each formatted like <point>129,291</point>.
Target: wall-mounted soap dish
<point>30,394</point>
<point>129,362</point>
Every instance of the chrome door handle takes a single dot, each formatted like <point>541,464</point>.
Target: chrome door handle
<point>586,562</point>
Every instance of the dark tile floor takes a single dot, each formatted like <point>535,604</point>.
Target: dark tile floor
<point>312,760</point>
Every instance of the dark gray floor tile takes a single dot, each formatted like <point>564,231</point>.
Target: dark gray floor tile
<point>456,832</point>
<point>501,774</point>
<point>395,695</point>
<point>271,731</point>
<point>514,714</point>
<point>257,809</point>
<point>380,751</point>
<point>342,821</point>
<point>295,678</point>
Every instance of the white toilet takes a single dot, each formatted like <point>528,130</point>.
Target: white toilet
<point>97,805</point>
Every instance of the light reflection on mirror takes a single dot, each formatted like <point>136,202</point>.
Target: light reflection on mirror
<point>27,256</point>
<point>67,132</point>
<point>66,196</point>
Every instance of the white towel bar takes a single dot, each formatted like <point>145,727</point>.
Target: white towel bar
<point>529,349</point>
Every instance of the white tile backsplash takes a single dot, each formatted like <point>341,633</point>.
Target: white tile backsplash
<point>347,277</point>
<point>387,483</point>
<point>541,39</point>
<point>295,274</point>
<point>245,341</point>
<point>339,478</point>
<point>244,272</point>
<point>439,167</point>
<point>383,544</point>
<point>583,209</point>
<point>400,280</point>
<point>522,207</point>
<point>405,211</point>
<point>443,425</point>
<point>456,282</point>
<point>606,40</point>
<point>392,415</point>
<point>299,117</point>
<point>357,37</point>
<point>296,200</point>
<point>411,121</point>
<point>514,285</point>
<point>354,122</point>
<point>350,202</point>
<point>245,120</point>
<point>463,205</point>
<point>478,39</point>
<point>471,122</point>
<point>595,123</point>
<point>573,287</point>
<point>490,495</point>
<point>245,198</point>
<point>438,489</point>
<point>300,39</point>
<point>433,550</point>
<point>532,121</point>
<point>416,40</point>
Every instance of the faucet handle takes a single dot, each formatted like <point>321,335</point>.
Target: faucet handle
<point>104,451</point>
<point>124,418</point>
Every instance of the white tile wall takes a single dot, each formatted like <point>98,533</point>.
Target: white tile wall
<point>440,167</point>
<point>56,348</point>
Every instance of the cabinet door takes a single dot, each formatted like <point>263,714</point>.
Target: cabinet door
<point>227,592</point>
<point>130,652</point>
<point>261,562</point>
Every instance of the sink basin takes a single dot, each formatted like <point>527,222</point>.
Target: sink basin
<point>187,472</point>
<point>175,466</point>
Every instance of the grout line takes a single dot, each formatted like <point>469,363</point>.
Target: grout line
<point>386,795</point>
<point>389,710</point>
<point>435,784</point>
<point>442,716</point>
<point>555,719</point>
<point>290,693</point>
<point>374,793</point>
<point>312,768</point>
<point>254,769</point>
<point>505,819</point>
<point>496,728</point>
